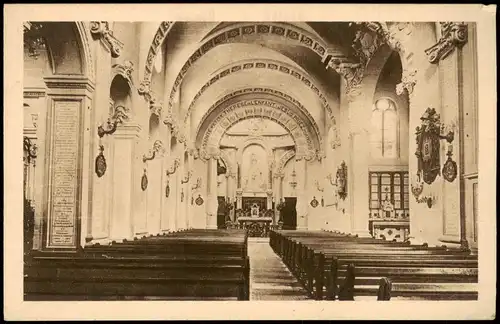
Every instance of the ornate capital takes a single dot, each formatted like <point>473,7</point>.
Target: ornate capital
<point>351,72</point>
<point>453,34</point>
<point>155,106</point>
<point>100,30</point>
<point>145,89</point>
<point>125,70</point>
<point>408,82</point>
<point>280,175</point>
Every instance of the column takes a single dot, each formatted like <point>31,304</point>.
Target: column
<point>230,181</point>
<point>357,166</point>
<point>302,204</point>
<point>212,203</point>
<point>122,223</point>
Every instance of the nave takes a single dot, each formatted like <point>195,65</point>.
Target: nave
<point>250,160</point>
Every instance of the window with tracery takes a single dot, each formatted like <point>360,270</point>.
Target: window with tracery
<point>385,129</point>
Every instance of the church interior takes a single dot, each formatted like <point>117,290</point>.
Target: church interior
<point>250,160</point>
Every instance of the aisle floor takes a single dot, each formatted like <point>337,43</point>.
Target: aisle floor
<point>270,279</point>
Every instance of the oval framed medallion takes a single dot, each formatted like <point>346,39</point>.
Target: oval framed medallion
<point>167,189</point>
<point>144,181</point>
<point>100,163</point>
<point>199,201</point>
<point>314,202</point>
<point>450,170</point>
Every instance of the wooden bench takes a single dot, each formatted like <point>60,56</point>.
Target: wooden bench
<point>348,267</point>
<point>142,270</point>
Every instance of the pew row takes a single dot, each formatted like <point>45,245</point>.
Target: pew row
<point>336,266</point>
<point>145,270</point>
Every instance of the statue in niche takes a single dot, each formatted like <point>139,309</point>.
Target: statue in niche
<point>256,179</point>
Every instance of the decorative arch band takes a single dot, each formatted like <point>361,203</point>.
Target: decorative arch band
<point>209,140</point>
<point>269,65</point>
<point>270,91</point>
<point>288,33</point>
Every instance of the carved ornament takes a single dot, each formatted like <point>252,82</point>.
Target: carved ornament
<point>453,34</point>
<point>173,168</point>
<point>269,103</point>
<point>30,149</point>
<point>187,177</point>
<point>428,137</point>
<point>244,109</point>
<point>197,185</point>
<point>408,82</point>
<point>100,30</point>
<point>100,162</point>
<point>158,149</point>
<point>125,70</point>
<point>121,114</point>
<point>341,179</point>
<point>290,34</point>
<point>270,65</point>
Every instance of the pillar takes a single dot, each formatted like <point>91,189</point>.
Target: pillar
<point>212,203</point>
<point>357,166</point>
<point>302,203</point>
<point>124,181</point>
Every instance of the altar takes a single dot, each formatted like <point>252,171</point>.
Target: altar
<point>257,223</point>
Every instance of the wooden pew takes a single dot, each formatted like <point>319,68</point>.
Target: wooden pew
<point>317,266</point>
<point>164,269</point>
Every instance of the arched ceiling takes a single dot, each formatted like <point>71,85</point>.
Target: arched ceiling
<point>208,61</point>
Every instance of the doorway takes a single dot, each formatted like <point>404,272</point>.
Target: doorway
<point>289,214</point>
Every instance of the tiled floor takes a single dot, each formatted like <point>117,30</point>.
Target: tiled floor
<point>269,277</point>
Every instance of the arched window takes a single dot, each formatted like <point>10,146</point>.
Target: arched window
<point>385,129</point>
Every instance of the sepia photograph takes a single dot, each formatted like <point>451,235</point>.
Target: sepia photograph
<point>297,160</point>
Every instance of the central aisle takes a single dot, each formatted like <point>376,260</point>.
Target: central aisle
<point>270,279</point>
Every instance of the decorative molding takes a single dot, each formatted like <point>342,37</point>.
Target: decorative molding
<point>266,64</point>
<point>290,34</point>
<point>257,108</point>
<point>34,120</point>
<point>408,82</point>
<point>177,131</point>
<point>34,93</point>
<point>335,141</point>
<point>155,106</point>
<point>125,70</point>
<point>262,90</point>
<point>100,30</point>
<point>158,149</point>
<point>453,34</point>
<point>287,156</point>
<point>31,150</point>
<point>367,40</point>
<point>158,39</point>
<point>351,72</point>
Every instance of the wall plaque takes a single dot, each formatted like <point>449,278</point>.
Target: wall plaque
<point>64,177</point>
